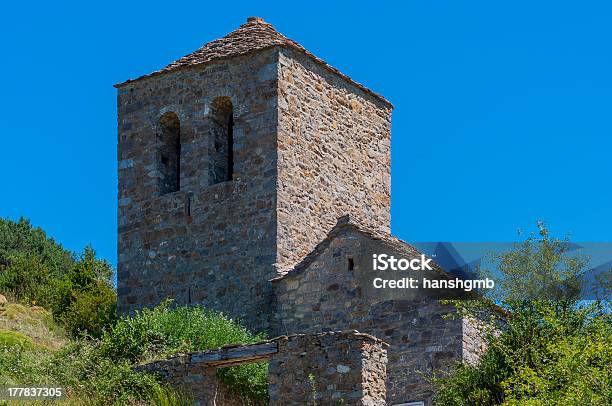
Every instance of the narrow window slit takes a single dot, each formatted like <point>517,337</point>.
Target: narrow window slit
<point>230,147</point>
<point>169,153</point>
<point>188,205</point>
<point>222,141</point>
<point>351,264</point>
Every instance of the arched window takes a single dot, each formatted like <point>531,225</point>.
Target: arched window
<point>222,132</point>
<point>170,153</point>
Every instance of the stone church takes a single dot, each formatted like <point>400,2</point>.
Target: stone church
<point>254,179</point>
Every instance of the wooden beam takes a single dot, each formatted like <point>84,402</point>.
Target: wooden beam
<point>228,356</point>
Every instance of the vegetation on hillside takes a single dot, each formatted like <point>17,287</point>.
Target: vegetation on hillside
<point>80,344</point>
<point>553,349</point>
<point>153,334</point>
<point>78,289</point>
<point>34,351</point>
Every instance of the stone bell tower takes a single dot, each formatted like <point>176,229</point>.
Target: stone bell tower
<point>234,161</point>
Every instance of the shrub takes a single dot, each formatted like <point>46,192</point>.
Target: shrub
<point>83,369</point>
<point>546,355</point>
<point>164,330</point>
<point>26,278</point>
<point>91,311</point>
<point>551,350</point>
<point>158,332</point>
<point>14,338</point>
<point>249,380</point>
<point>84,300</point>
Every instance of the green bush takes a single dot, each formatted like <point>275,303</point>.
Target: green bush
<point>15,338</point>
<point>26,278</point>
<point>248,380</point>
<point>84,299</point>
<point>156,333</point>
<point>83,369</point>
<point>547,355</point>
<point>164,330</point>
<point>552,351</point>
<point>91,311</point>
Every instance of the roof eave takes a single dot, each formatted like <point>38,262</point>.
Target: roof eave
<point>302,50</point>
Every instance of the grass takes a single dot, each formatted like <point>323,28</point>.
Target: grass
<point>156,333</point>
<point>34,322</point>
<point>34,351</point>
<point>13,338</point>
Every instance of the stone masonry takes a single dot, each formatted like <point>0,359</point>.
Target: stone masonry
<point>197,381</point>
<point>323,293</point>
<point>234,164</point>
<point>309,144</point>
<point>336,368</point>
<point>344,367</point>
<point>334,156</point>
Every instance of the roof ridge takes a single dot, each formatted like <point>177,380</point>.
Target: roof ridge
<point>253,35</point>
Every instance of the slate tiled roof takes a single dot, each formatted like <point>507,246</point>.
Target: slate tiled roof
<point>254,35</point>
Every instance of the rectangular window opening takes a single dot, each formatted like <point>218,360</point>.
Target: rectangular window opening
<point>351,264</point>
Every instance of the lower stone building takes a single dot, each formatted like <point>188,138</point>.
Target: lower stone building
<point>326,291</point>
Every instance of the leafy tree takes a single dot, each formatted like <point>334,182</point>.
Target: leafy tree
<point>26,278</point>
<point>85,299</point>
<point>21,239</point>
<point>553,348</point>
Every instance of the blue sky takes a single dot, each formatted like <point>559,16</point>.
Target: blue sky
<point>502,109</point>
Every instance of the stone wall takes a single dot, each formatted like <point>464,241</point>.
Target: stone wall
<point>197,381</point>
<point>345,367</point>
<point>337,368</point>
<point>308,147</point>
<point>474,339</point>
<point>334,155</point>
<point>326,295</point>
<point>207,243</point>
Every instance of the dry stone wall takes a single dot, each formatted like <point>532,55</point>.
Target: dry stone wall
<point>336,368</point>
